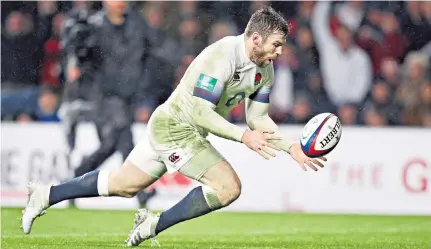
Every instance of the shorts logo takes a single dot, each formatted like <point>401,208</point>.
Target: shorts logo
<point>236,76</point>
<point>174,157</point>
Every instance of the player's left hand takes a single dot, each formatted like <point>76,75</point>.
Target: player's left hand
<point>304,160</point>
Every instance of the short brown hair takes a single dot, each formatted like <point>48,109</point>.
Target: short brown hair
<point>266,21</point>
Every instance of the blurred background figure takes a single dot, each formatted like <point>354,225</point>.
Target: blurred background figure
<point>78,63</point>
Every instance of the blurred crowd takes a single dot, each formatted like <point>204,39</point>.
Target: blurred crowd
<point>368,62</point>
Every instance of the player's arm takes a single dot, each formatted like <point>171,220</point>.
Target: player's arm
<point>207,93</point>
<point>257,115</point>
<point>213,73</point>
<point>258,118</point>
<point>207,118</point>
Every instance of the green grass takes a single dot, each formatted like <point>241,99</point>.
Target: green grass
<point>73,228</point>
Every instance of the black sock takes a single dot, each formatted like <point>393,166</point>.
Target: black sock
<point>79,187</point>
<point>192,206</point>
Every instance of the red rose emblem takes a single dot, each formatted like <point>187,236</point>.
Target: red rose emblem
<point>257,79</point>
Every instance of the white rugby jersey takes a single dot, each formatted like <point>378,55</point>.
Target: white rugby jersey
<point>220,77</point>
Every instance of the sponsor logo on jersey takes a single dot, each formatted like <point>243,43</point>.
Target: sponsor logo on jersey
<point>174,157</point>
<point>206,82</point>
<point>236,76</point>
<point>257,79</point>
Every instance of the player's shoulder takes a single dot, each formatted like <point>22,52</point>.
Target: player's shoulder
<point>224,48</point>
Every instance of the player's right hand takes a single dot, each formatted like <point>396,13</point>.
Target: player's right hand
<point>257,140</point>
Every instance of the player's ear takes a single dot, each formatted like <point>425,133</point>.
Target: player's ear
<point>256,38</point>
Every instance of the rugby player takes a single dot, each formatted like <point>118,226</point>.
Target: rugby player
<point>231,70</point>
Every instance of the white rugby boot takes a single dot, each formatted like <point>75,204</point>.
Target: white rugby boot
<point>38,201</point>
<point>143,229</point>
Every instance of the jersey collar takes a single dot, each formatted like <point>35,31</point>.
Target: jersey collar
<point>243,60</point>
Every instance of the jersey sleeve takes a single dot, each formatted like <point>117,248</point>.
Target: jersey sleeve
<point>262,94</point>
<point>258,117</point>
<point>212,77</point>
<point>214,72</point>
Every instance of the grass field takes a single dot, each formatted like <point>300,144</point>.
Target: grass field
<point>73,228</point>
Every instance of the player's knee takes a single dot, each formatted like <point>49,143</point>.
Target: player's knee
<point>126,191</point>
<point>229,193</point>
<point>128,181</point>
<point>129,192</point>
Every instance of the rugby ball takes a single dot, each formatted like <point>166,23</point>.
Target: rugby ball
<point>320,135</point>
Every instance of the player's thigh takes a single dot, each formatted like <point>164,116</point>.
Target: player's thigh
<point>212,169</point>
<point>141,169</point>
<point>202,159</point>
<point>221,175</point>
<point>182,148</point>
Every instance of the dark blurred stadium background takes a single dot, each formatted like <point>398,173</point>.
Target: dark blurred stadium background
<point>366,61</point>
<point>395,36</point>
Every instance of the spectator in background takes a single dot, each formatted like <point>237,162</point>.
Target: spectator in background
<point>348,114</point>
<point>165,56</point>
<point>413,25</point>
<point>426,12</point>
<point>45,109</point>
<point>425,108</point>
<point>390,73</point>
<point>346,68</point>
<point>302,110</point>
<point>221,29</point>
<point>386,31</point>
<point>307,56</point>
<point>190,35</point>
<point>79,93</point>
<point>373,117</point>
<point>282,94</point>
<point>409,92</point>
<point>351,14</point>
<point>47,106</point>
<point>188,25</point>
<point>22,44</point>
<point>381,101</point>
<point>381,38</point>
<point>122,48</point>
<point>320,102</point>
<point>51,65</point>
<point>426,120</point>
<point>305,11</point>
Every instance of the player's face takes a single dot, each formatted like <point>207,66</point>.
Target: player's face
<point>268,50</point>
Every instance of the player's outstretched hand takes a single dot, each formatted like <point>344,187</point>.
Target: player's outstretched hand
<point>257,140</point>
<point>304,160</point>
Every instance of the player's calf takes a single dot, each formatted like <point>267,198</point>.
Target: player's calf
<point>221,187</point>
<point>125,182</point>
